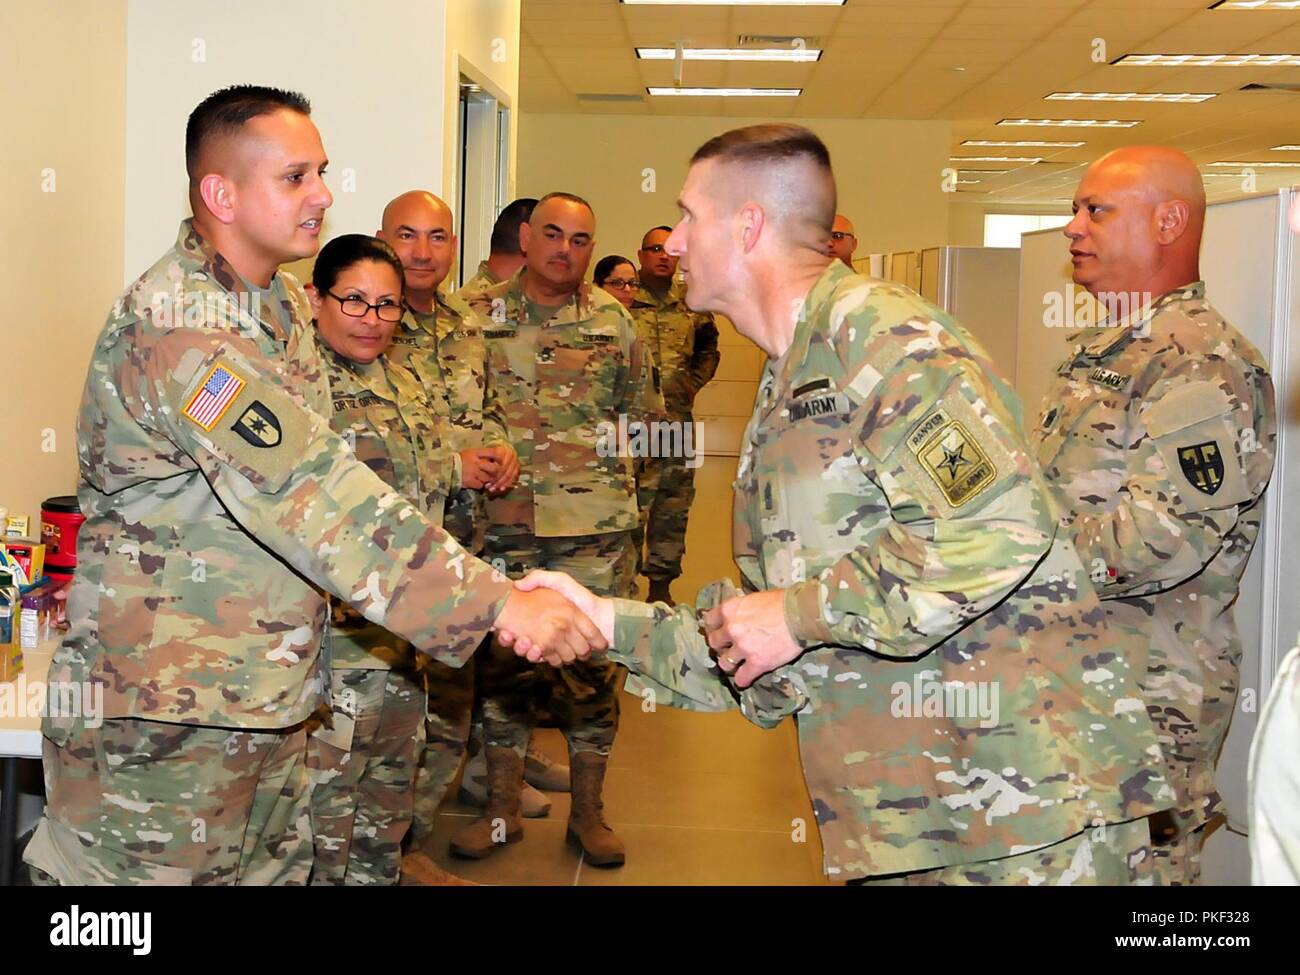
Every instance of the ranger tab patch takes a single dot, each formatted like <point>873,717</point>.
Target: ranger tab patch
<point>952,458</point>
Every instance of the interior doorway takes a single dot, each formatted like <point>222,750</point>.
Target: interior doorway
<point>483,137</point>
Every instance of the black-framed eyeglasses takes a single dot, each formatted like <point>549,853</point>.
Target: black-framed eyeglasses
<point>840,234</point>
<point>619,284</point>
<point>386,310</point>
<point>654,249</point>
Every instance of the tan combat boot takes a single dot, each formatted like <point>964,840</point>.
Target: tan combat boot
<point>500,823</point>
<point>419,870</point>
<point>474,788</point>
<point>587,827</point>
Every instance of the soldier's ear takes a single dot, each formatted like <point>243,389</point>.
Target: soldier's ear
<point>313,299</point>
<point>217,194</point>
<point>1171,220</point>
<point>525,233</point>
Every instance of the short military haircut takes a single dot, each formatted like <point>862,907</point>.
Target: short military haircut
<point>652,230</point>
<point>224,113</point>
<point>774,142</point>
<point>571,197</point>
<point>505,232</point>
<point>791,166</point>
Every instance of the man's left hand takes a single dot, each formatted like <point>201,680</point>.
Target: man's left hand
<point>750,636</point>
<point>503,454</point>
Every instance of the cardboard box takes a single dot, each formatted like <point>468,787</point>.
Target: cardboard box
<point>27,553</point>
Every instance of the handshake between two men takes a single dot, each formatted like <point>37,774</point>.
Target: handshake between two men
<point>552,618</point>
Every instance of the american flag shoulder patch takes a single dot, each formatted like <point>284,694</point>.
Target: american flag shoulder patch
<point>215,394</point>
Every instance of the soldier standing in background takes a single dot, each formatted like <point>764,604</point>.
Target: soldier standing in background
<point>897,543</point>
<point>570,367</point>
<point>684,344</point>
<point>363,758</point>
<point>843,240</point>
<point>1158,437</point>
<point>504,256</point>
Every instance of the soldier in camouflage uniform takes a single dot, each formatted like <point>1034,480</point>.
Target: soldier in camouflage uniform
<point>363,760</point>
<point>504,256</point>
<point>569,365</point>
<point>219,509</point>
<point>1158,437</point>
<point>684,344</point>
<point>436,341</point>
<point>900,556</point>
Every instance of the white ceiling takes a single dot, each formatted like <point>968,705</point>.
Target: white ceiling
<point>897,59</point>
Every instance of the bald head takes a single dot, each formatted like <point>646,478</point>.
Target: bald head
<point>843,240</point>
<point>419,227</point>
<point>1139,213</point>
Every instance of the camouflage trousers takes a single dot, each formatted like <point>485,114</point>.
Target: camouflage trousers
<point>363,776</point>
<point>1114,855</point>
<point>148,802</point>
<point>582,697</point>
<point>1177,837</point>
<point>665,521</point>
<point>446,730</point>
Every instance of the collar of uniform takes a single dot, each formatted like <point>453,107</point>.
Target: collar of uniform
<point>578,308</point>
<point>368,375</point>
<point>486,274</point>
<point>449,311</point>
<point>413,320</point>
<point>1112,335</point>
<point>197,247</point>
<point>819,295</point>
<point>647,298</point>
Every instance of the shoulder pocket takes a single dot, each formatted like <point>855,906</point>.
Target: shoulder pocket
<point>1194,434</point>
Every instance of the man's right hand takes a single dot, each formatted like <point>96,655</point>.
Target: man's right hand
<point>548,625</point>
<point>478,467</point>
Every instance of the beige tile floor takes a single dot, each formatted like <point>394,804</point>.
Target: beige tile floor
<point>697,798</point>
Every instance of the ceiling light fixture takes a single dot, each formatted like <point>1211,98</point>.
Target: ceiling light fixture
<point>730,54</point>
<point>1129,96</point>
<point>1022,144</point>
<point>726,92</point>
<point>1210,60</point>
<point>1074,123</point>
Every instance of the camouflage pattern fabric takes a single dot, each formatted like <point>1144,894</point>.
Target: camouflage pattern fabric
<point>1275,782</point>
<point>582,697</point>
<point>363,776</point>
<point>1158,437</point>
<point>482,280</point>
<point>685,349</point>
<point>960,698</point>
<point>445,350</point>
<point>1102,856</point>
<point>220,509</point>
<point>231,806</point>
<point>569,384</point>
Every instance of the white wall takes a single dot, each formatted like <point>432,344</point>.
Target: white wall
<point>889,172</point>
<point>63,75</point>
<point>375,73</point>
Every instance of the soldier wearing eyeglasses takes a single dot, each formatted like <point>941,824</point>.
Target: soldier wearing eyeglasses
<point>685,349</point>
<point>843,242</point>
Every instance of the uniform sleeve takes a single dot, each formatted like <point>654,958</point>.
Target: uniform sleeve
<point>666,647</point>
<point>293,485</point>
<point>705,357</point>
<point>969,519</point>
<point>1199,456</point>
<point>640,397</point>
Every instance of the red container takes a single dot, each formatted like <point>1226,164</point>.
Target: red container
<point>61,519</point>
